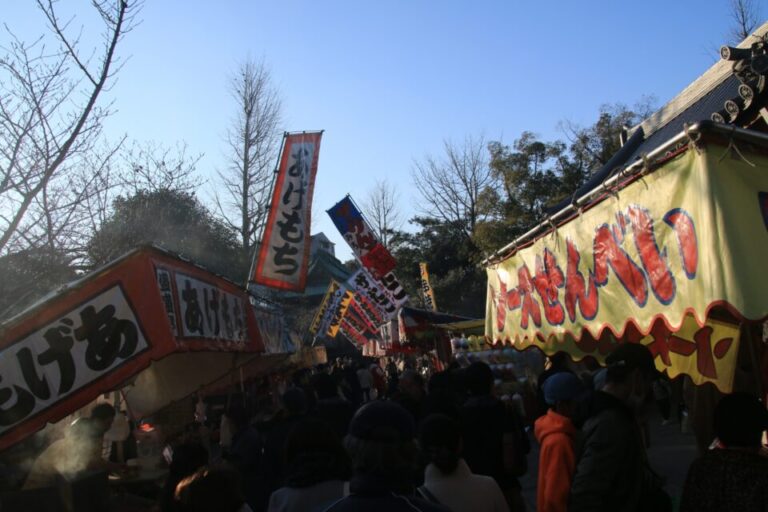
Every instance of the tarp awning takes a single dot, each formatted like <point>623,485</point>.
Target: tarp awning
<point>673,258</point>
<point>420,324</point>
<point>465,326</point>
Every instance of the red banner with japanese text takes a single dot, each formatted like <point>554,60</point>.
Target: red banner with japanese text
<point>283,256</point>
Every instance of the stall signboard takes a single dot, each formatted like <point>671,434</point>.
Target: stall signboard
<point>676,243</point>
<point>209,312</point>
<point>97,333</point>
<point>61,357</point>
<point>361,238</point>
<point>283,256</point>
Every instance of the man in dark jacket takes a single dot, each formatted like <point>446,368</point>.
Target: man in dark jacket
<point>331,408</point>
<point>612,471</point>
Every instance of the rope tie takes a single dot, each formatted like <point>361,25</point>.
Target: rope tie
<point>554,228</point>
<point>733,148</point>
<point>693,138</point>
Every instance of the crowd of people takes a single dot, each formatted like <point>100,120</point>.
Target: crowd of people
<point>359,436</point>
<point>363,437</point>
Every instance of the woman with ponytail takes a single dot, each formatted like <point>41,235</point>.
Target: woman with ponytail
<point>447,478</point>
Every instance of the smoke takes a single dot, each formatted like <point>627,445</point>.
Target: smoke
<point>77,451</point>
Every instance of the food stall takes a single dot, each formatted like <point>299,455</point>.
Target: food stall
<point>150,325</point>
<point>670,253</point>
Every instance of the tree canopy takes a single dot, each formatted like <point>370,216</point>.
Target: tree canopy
<point>174,220</point>
<point>505,190</point>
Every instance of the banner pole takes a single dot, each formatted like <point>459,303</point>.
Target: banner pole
<point>267,207</point>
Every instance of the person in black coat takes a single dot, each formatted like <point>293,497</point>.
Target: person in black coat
<point>733,476</point>
<point>612,470</point>
<point>495,442</point>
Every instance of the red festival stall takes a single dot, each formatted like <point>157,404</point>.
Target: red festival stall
<point>150,325</point>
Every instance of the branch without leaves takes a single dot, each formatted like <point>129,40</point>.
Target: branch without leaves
<point>450,186</point>
<point>50,116</point>
<point>253,140</point>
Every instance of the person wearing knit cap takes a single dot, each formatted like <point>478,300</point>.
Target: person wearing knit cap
<point>556,434</point>
<point>383,452</point>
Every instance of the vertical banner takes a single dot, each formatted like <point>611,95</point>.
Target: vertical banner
<point>329,313</point>
<point>274,333</point>
<point>372,313</point>
<point>338,314</point>
<point>361,238</point>
<point>324,306</point>
<point>283,255</point>
<point>387,298</point>
<point>358,318</point>
<point>352,334</point>
<point>426,288</point>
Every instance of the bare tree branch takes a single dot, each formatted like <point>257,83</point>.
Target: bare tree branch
<point>49,121</point>
<point>381,209</point>
<point>744,14</point>
<point>450,187</point>
<point>149,166</point>
<point>252,144</point>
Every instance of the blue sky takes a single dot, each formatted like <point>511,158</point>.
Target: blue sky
<point>388,81</point>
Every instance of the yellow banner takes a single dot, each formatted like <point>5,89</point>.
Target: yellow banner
<point>690,236</point>
<point>323,309</point>
<point>338,316</point>
<point>426,288</point>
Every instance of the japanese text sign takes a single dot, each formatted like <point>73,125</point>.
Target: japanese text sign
<point>104,330</point>
<point>284,251</point>
<point>61,357</point>
<point>209,312</point>
<point>386,294</point>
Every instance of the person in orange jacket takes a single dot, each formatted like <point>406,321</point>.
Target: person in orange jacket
<point>556,434</point>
